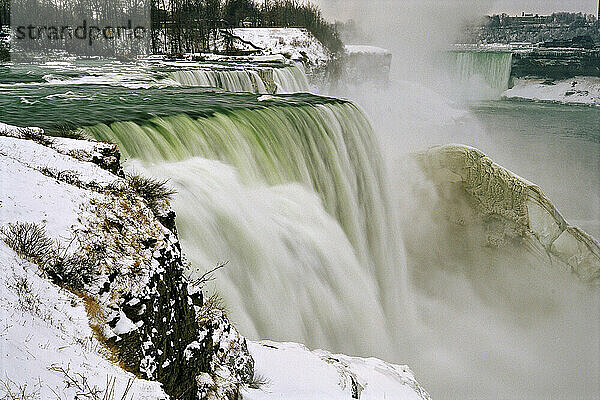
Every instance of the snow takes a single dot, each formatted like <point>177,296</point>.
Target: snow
<point>298,43</point>
<point>578,90</point>
<point>46,327</point>
<point>43,326</point>
<point>354,49</point>
<point>293,372</point>
<point>124,325</point>
<point>28,195</point>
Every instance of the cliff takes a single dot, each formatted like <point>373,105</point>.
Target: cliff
<point>108,244</point>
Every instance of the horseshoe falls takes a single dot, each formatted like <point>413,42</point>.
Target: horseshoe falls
<point>485,70</point>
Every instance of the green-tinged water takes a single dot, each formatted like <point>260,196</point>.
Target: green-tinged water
<point>49,106</point>
<point>489,71</point>
<point>323,148</point>
<point>286,79</point>
<point>292,191</point>
<point>236,77</point>
<point>327,147</point>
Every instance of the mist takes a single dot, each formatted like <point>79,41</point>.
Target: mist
<point>483,322</point>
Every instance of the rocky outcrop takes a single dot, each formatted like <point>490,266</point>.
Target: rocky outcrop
<point>511,207</point>
<point>112,251</point>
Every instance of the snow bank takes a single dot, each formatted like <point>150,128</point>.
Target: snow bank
<point>578,90</point>
<point>298,43</point>
<point>355,48</point>
<point>290,371</point>
<point>44,329</point>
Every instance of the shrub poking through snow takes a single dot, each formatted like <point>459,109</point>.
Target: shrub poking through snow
<point>11,390</point>
<point>152,190</point>
<point>72,270</point>
<point>259,381</point>
<point>29,240</point>
<point>87,391</point>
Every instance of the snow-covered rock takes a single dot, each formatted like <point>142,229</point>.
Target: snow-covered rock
<point>579,90</point>
<point>511,207</point>
<point>296,43</point>
<point>290,371</point>
<point>115,251</point>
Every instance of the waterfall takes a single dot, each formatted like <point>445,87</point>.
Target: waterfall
<point>293,197</point>
<point>288,79</point>
<point>488,69</point>
<point>228,80</point>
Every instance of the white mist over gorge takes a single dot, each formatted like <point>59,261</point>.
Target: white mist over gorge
<point>384,207</point>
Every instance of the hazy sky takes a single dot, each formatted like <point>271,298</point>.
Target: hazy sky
<point>343,9</point>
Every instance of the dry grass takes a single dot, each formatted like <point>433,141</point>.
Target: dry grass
<point>28,240</point>
<point>152,190</point>
<point>97,321</point>
<point>10,390</point>
<point>83,388</point>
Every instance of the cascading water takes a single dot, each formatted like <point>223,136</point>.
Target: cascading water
<point>271,210</point>
<point>288,79</point>
<point>291,190</point>
<point>485,70</point>
<point>229,80</point>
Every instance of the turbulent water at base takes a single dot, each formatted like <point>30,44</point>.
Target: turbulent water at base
<point>288,79</point>
<point>484,70</point>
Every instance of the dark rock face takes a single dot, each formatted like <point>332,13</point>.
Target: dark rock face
<point>556,63</point>
<point>167,327</point>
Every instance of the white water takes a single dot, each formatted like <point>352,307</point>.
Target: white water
<point>288,79</point>
<point>474,322</point>
<point>479,74</point>
<point>228,80</point>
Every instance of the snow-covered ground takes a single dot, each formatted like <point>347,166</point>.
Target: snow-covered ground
<point>47,348</point>
<point>362,49</point>
<point>579,90</point>
<point>46,341</point>
<point>298,43</point>
<point>290,371</point>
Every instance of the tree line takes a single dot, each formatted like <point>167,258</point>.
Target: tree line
<point>180,26</point>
